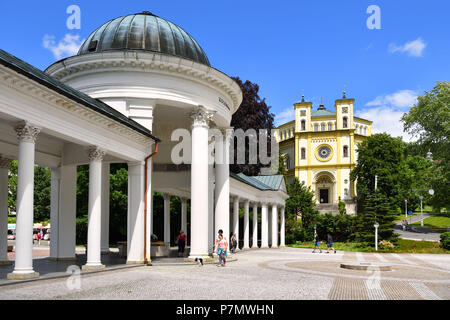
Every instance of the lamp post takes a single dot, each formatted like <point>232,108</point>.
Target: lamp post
<point>421,211</point>
<point>376,225</point>
<point>406,208</point>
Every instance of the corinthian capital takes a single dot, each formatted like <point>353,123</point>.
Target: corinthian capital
<point>4,162</point>
<point>201,117</point>
<point>95,153</point>
<point>26,131</point>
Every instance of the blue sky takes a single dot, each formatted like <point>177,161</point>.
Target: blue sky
<point>289,48</point>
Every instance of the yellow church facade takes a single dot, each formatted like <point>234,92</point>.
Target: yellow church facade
<point>320,148</point>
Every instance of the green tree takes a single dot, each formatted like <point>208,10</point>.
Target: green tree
<point>300,210</point>
<point>429,121</point>
<point>383,156</point>
<point>379,209</point>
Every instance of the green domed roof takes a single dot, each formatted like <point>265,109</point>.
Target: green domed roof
<point>144,31</point>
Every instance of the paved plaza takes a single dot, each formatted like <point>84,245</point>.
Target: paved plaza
<point>263,274</point>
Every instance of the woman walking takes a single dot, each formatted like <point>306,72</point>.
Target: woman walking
<point>221,250</point>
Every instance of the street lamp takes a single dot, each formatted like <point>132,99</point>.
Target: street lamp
<point>421,211</point>
<point>406,208</point>
<point>376,225</point>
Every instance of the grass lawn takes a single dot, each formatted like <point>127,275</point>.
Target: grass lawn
<point>438,223</point>
<point>402,246</point>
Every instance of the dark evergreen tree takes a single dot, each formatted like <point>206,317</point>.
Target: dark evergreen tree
<point>253,113</point>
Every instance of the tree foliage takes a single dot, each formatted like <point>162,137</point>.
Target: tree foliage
<point>253,113</point>
<point>429,121</point>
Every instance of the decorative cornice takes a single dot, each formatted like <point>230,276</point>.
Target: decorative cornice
<point>144,62</point>
<point>23,85</point>
<point>95,153</point>
<point>27,132</point>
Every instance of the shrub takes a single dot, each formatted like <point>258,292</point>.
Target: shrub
<point>445,240</point>
<point>385,245</point>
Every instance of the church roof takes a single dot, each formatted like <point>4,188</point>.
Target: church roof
<point>41,77</point>
<point>322,112</point>
<point>144,31</point>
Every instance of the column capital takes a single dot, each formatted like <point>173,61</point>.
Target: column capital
<point>166,196</point>
<point>183,199</point>
<point>4,162</point>
<point>26,131</point>
<point>246,201</point>
<point>95,153</point>
<point>201,117</point>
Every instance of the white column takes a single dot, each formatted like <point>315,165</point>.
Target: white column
<point>135,217</point>
<point>184,215</point>
<point>210,208</point>
<point>199,183</point>
<point>246,225</point>
<point>55,190</point>
<point>282,228</point>
<point>166,219</point>
<point>94,210</point>
<point>105,207</point>
<point>236,219</point>
<point>63,213</point>
<point>255,226</point>
<point>222,187</point>
<point>4,165</point>
<point>274,226</point>
<point>264,226</point>
<point>23,268</point>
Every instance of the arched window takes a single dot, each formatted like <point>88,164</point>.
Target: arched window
<point>303,125</point>
<point>316,127</point>
<point>322,127</point>
<point>365,131</point>
<point>303,154</point>
<point>330,126</point>
<point>360,130</point>
<point>344,122</point>
<point>345,151</point>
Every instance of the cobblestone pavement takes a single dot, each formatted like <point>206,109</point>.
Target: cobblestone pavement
<point>268,274</point>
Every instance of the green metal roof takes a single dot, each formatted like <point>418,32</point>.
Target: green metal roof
<point>272,182</point>
<point>323,113</point>
<point>144,31</point>
<point>41,77</point>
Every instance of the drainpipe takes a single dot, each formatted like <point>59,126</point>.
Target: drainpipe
<point>145,201</point>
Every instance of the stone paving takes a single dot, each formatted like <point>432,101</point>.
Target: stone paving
<point>264,274</point>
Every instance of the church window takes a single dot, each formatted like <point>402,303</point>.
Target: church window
<point>322,127</point>
<point>345,151</point>
<point>316,127</point>
<point>344,122</point>
<point>303,125</point>
<point>303,154</point>
<point>365,131</point>
<point>330,126</point>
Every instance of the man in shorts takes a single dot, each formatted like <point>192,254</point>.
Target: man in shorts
<point>316,243</point>
<point>330,243</point>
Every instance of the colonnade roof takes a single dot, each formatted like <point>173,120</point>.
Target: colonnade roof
<point>48,81</point>
<point>270,182</point>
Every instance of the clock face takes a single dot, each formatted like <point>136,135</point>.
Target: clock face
<point>324,152</point>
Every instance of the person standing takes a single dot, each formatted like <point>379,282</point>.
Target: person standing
<point>330,243</point>
<point>181,240</point>
<point>233,243</point>
<point>221,250</point>
<point>316,243</point>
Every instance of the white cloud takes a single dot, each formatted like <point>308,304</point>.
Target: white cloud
<point>412,48</point>
<point>387,110</point>
<point>399,99</point>
<point>286,115</point>
<point>66,47</point>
